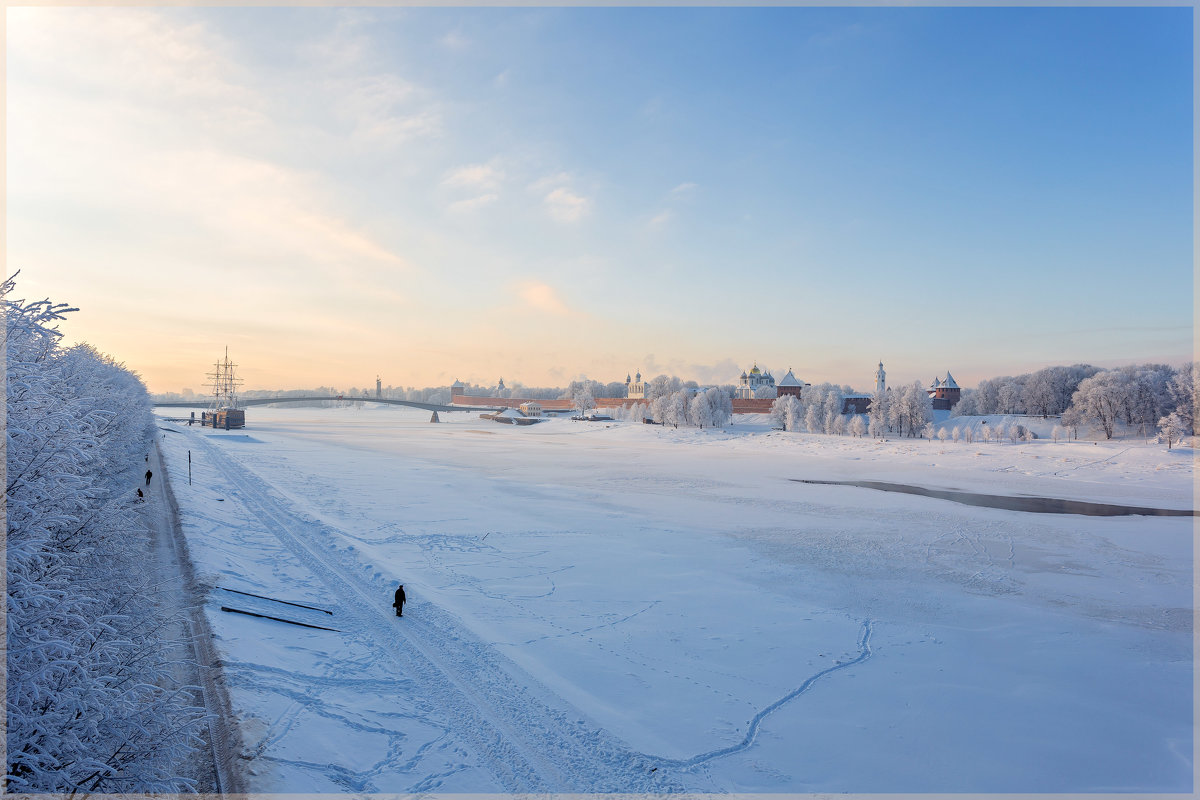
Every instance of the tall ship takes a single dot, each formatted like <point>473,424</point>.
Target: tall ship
<point>223,411</point>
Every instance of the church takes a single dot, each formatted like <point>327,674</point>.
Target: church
<point>634,387</point>
<point>750,384</point>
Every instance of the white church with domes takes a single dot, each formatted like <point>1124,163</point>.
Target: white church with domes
<point>750,384</point>
<point>635,387</point>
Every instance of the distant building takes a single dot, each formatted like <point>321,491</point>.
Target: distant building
<point>530,408</point>
<point>750,383</point>
<point>856,404</point>
<point>457,389</point>
<point>635,388</point>
<point>945,393</point>
<point>861,403</point>
<point>790,385</point>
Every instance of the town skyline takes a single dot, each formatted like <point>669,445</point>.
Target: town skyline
<point>368,387</point>
<point>435,194</point>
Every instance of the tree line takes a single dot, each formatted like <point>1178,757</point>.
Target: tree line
<point>1144,397</point>
<point>91,702</point>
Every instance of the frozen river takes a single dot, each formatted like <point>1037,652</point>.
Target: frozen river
<point>619,607</point>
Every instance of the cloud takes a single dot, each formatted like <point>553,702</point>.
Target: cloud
<point>482,180</point>
<point>472,203</point>
<point>474,176</point>
<point>542,297</point>
<point>381,109</point>
<point>169,172</point>
<point>565,206</point>
<point>454,40</point>
<point>661,218</point>
<point>685,188</point>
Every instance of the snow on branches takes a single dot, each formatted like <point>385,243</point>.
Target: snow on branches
<point>91,706</point>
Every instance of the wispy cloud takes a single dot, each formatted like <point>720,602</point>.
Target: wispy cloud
<point>481,181</point>
<point>661,218</point>
<point>677,196</point>
<point>474,176</point>
<point>164,172</point>
<point>472,203</point>
<point>560,199</point>
<point>566,206</point>
<point>455,40</point>
<point>542,297</point>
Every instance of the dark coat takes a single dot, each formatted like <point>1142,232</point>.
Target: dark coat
<point>400,598</point>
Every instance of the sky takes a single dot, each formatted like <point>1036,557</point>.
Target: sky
<point>541,194</point>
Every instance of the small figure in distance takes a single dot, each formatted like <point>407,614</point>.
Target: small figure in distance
<point>399,602</point>
<point>140,495</point>
<point>149,474</point>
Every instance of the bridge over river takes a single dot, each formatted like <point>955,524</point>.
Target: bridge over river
<point>262,401</point>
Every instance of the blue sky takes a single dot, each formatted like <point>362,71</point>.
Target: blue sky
<point>428,194</point>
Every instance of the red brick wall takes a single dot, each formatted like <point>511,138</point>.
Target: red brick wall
<point>509,402</point>
<point>739,406</point>
<point>752,406</point>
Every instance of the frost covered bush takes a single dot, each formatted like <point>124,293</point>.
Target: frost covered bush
<point>91,706</point>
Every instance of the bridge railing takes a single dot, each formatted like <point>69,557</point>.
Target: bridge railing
<point>262,401</point>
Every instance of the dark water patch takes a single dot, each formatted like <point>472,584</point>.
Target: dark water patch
<point>1036,505</point>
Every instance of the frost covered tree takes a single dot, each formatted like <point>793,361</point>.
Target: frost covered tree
<point>858,426</point>
<point>91,706</point>
<point>1184,393</point>
<point>877,414</point>
<point>1101,399</point>
<point>1011,396</point>
<point>813,418</point>
<point>700,411</point>
<point>786,411</point>
<point>1172,428</point>
<point>911,410</point>
<point>662,385</point>
<point>839,425</point>
<point>722,406</point>
<point>832,407</point>
<point>966,405</point>
<point>583,398</point>
<point>942,434</point>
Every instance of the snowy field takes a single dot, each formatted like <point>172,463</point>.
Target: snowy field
<point>620,607</point>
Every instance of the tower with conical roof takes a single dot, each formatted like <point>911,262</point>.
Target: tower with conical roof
<point>880,379</point>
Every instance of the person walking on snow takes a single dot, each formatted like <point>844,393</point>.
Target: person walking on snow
<point>148,476</point>
<point>399,602</point>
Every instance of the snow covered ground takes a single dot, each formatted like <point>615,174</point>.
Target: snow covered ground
<point>624,607</point>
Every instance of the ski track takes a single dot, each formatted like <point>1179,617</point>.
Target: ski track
<point>525,744</point>
<point>864,647</point>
